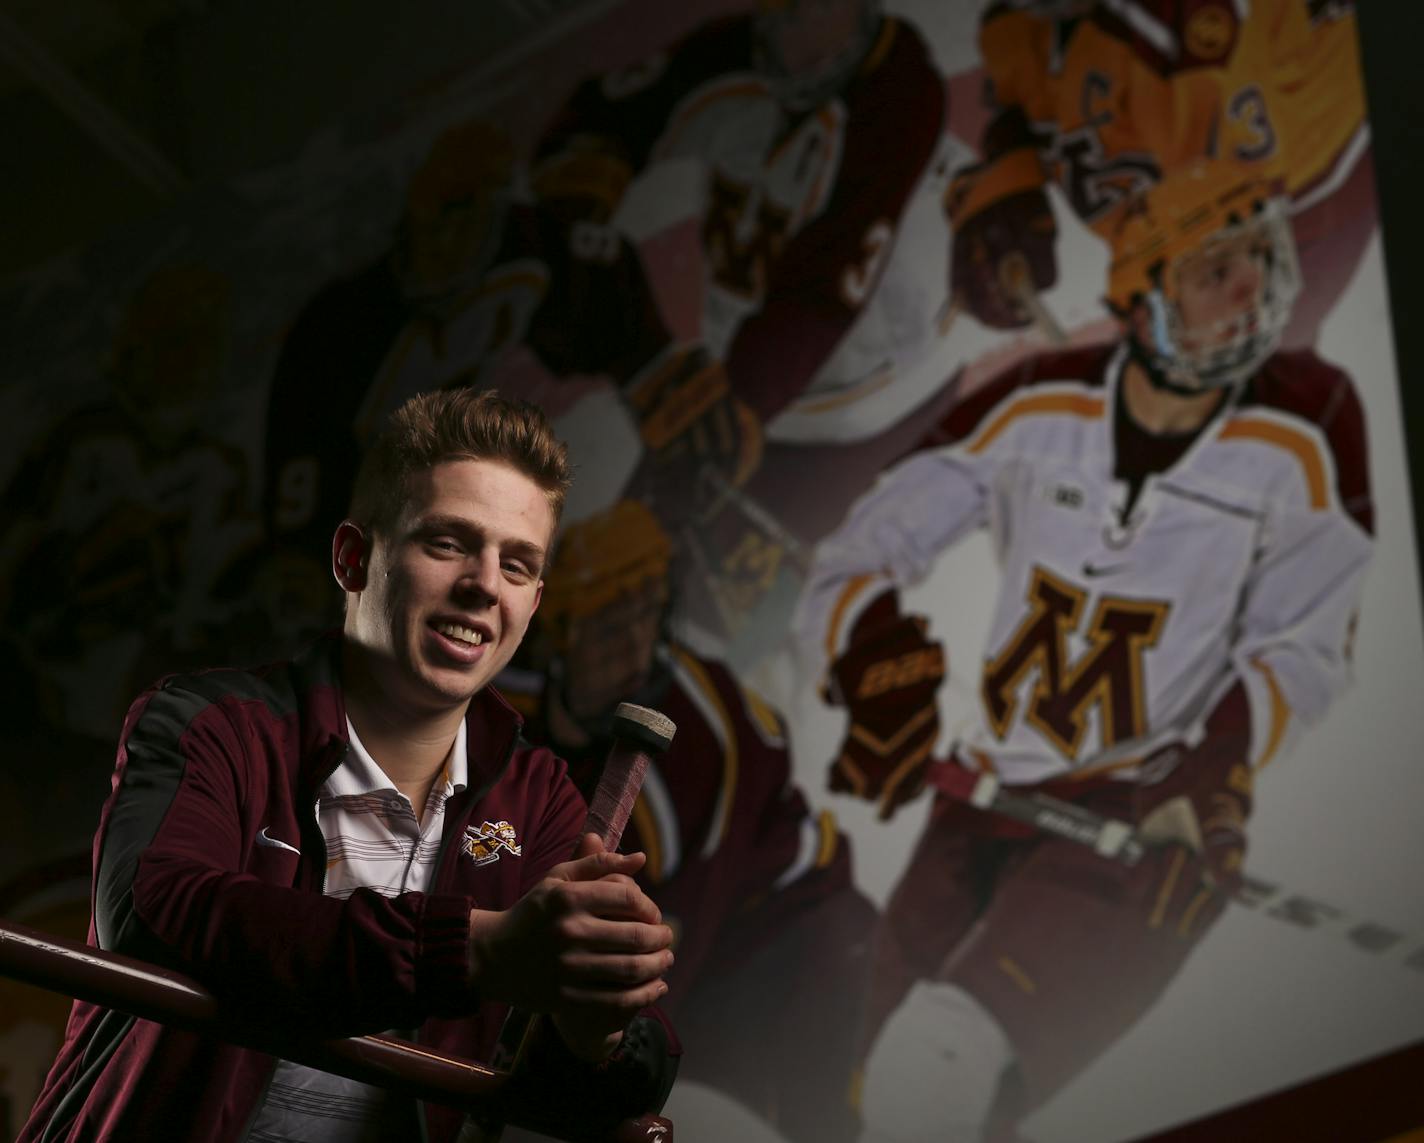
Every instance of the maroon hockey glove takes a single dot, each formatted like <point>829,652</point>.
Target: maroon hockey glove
<point>700,439</point>
<point>1193,802</point>
<point>888,680</point>
<point>1004,237</point>
<point>1174,891</point>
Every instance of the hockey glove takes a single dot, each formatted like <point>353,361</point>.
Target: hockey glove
<point>1004,237</point>
<point>1192,804</point>
<point>888,680</point>
<point>699,438</point>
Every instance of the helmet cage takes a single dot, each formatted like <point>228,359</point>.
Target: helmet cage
<point>801,91</point>
<point>1227,352</point>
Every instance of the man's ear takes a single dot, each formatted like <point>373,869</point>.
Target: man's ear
<point>350,550</point>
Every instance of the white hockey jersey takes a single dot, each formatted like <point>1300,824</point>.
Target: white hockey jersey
<point>1117,629</point>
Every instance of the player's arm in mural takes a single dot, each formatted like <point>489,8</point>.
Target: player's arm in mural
<point>813,123</point>
<point>757,887</point>
<point>1104,99</point>
<point>1183,523</point>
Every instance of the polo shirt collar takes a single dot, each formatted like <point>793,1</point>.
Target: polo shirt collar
<point>360,774</point>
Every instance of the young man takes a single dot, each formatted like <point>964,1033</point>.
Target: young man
<point>771,931</point>
<point>1183,523</point>
<point>359,840</point>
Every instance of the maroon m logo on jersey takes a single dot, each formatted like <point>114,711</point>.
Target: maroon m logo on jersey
<point>741,249</point>
<point>1107,675</point>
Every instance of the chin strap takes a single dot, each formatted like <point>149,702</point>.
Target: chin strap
<point>1157,376</point>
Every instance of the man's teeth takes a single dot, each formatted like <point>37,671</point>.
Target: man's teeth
<point>464,634</point>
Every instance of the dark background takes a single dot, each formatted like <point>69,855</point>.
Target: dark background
<point>1390,35</point>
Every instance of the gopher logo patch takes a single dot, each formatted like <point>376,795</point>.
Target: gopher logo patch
<point>1210,32</point>
<point>484,844</point>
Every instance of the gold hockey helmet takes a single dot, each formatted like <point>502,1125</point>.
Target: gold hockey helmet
<point>455,208</point>
<point>469,159</point>
<point>171,346</point>
<point>1204,273</point>
<point>614,553</point>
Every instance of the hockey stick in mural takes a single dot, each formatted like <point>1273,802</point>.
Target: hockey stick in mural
<point>1118,840</point>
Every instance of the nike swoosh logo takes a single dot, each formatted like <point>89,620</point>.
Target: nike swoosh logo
<point>1095,570</point>
<point>264,838</point>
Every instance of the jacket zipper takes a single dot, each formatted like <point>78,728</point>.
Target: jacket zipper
<point>338,756</point>
<point>470,800</point>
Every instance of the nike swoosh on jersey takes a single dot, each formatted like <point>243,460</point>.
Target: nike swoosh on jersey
<point>265,838</point>
<point>1093,571</point>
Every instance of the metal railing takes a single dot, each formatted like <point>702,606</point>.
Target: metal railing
<point>132,986</point>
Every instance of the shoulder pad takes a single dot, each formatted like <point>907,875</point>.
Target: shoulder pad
<point>1086,364</point>
<point>1299,384</point>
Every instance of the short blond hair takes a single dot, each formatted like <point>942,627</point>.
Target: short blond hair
<point>457,424</point>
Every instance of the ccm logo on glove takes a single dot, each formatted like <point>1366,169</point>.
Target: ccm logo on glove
<point>905,671</point>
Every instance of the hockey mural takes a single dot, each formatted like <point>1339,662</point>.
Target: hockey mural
<point>988,451</point>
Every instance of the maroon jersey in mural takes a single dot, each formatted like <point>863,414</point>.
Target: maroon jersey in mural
<point>798,211</point>
<point>734,852</point>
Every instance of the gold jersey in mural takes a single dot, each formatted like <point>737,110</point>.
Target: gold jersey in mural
<point>1135,89</point>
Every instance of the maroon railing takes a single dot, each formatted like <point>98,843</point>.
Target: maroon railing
<point>144,990</point>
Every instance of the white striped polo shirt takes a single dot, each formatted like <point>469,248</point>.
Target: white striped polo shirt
<point>373,840</point>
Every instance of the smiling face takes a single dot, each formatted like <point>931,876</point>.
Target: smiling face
<point>444,599</point>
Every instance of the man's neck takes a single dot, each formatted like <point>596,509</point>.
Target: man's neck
<point>409,746</point>
<point>1158,411</point>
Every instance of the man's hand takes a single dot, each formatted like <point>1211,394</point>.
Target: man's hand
<point>585,945</point>
<point>888,680</point>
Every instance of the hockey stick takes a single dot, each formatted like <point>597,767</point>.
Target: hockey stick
<point>751,509</point>
<point>1108,837</point>
<point>639,734</point>
<point>1118,840</point>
